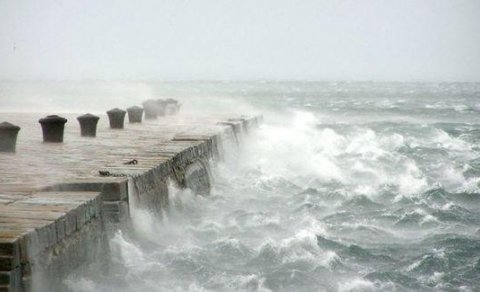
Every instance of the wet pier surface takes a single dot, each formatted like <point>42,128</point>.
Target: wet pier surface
<point>36,164</point>
<point>50,192</point>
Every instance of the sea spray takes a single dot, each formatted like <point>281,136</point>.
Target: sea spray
<point>347,187</point>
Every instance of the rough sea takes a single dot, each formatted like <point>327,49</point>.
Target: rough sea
<point>345,187</point>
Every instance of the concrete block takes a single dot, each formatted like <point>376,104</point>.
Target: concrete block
<point>120,171</point>
<point>7,263</point>
<point>60,225</point>
<point>197,178</point>
<point>5,278</point>
<point>116,212</point>
<point>9,247</point>
<point>11,280</point>
<point>70,223</point>
<point>81,216</point>
<point>111,188</point>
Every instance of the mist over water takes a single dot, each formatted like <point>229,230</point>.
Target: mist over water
<point>346,187</point>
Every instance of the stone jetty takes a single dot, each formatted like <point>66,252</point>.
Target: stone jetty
<point>59,201</point>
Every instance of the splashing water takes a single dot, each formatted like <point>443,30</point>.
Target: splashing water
<point>357,187</point>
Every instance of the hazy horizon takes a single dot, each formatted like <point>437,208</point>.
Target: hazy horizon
<point>371,40</point>
<point>229,81</point>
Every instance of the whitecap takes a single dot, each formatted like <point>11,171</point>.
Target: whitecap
<point>357,284</point>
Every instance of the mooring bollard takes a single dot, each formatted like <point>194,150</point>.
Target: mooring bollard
<point>161,107</point>
<point>88,125</point>
<point>177,107</point>
<point>170,106</point>
<point>52,128</point>
<point>135,114</point>
<point>116,117</point>
<point>8,137</point>
<point>151,109</point>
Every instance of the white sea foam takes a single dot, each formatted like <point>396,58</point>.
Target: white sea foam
<point>357,285</point>
<point>318,201</point>
<point>80,284</point>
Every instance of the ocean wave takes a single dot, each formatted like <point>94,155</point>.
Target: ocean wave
<point>363,285</point>
<point>353,251</point>
<point>365,199</point>
<point>430,263</point>
<point>457,202</point>
<point>300,252</point>
<point>397,281</point>
<point>361,203</point>
<point>413,217</point>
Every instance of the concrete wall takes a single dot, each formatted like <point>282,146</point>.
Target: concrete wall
<point>40,259</point>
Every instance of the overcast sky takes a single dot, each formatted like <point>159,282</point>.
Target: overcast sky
<point>433,40</point>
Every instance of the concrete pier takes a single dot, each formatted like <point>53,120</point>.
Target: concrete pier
<point>57,197</point>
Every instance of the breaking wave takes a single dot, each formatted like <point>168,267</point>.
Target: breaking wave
<point>371,198</point>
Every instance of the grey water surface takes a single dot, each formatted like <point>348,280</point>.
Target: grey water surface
<point>346,187</point>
